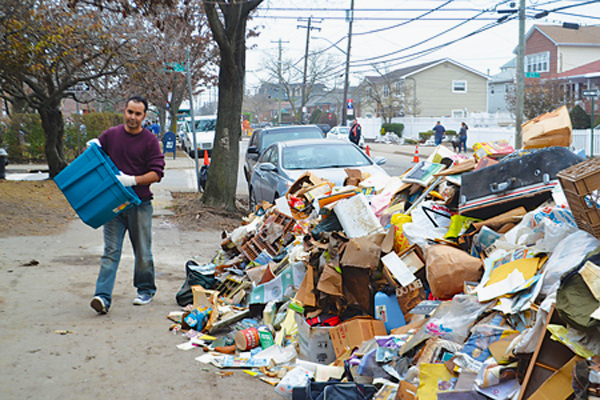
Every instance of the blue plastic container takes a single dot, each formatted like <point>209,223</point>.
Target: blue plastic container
<point>91,186</point>
<point>388,310</point>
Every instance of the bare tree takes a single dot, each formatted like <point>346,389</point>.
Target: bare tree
<point>47,51</point>
<point>541,96</point>
<point>289,78</point>
<point>156,70</point>
<point>391,94</point>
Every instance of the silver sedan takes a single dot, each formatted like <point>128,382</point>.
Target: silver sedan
<point>284,162</point>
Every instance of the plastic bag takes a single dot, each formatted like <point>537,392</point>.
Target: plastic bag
<point>298,376</point>
<point>567,255</point>
<point>543,228</point>
<point>452,319</point>
<point>400,241</point>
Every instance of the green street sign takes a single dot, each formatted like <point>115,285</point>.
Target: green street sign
<point>175,67</point>
<point>532,74</point>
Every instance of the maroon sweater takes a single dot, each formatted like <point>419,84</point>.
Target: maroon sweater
<point>134,154</point>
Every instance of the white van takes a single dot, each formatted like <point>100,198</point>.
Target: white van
<point>205,134</point>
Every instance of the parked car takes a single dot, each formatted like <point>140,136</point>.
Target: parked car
<point>264,137</point>
<point>325,128</point>
<point>284,162</point>
<point>205,134</point>
<point>343,133</point>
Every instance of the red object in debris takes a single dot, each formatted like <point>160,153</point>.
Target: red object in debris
<point>368,151</point>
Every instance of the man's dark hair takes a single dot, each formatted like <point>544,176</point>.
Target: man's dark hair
<point>138,99</point>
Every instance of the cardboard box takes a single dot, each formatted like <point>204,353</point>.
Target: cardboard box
<point>314,343</point>
<point>203,297</point>
<point>355,331</point>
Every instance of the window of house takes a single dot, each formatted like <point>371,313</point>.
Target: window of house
<point>506,87</point>
<point>459,86</point>
<point>369,91</point>
<point>492,90</point>
<point>398,88</point>
<point>386,91</point>
<point>458,113</point>
<point>539,62</point>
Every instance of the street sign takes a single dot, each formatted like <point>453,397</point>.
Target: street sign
<point>350,106</point>
<point>591,93</point>
<point>532,74</point>
<point>175,67</point>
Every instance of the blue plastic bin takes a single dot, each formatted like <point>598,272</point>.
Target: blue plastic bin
<point>91,186</point>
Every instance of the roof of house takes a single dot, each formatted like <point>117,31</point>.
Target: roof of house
<point>408,71</point>
<point>584,71</point>
<point>584,36</point>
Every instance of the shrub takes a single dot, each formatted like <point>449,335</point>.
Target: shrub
<point>579,118</point>
<point>410,141</point>
<point>423,136</point>
<point>450,133</point>
<point>396,128</point>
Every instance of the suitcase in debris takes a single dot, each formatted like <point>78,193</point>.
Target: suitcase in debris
<point>523,178</point>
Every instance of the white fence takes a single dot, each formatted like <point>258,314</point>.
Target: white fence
<point>582,140</point>
<point>414,125</point>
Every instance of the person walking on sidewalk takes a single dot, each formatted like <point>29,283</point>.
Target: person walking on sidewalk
<point>462,136</point>
<point>136,153</point>
<point>439,132</point>
<point>355,132</point>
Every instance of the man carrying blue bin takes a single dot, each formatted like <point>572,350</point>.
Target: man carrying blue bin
<point>136,153</point>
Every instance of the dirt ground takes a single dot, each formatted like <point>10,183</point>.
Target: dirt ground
<point>54,346</point>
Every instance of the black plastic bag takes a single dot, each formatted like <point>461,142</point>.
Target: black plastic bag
<point>193,277</point>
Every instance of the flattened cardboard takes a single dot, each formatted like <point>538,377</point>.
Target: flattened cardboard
<point>306,292</point>
<point>362,252</point>
<point>330,281</point>
<point>406,391</point>
<point>356,287</point>
<point>355,331</point>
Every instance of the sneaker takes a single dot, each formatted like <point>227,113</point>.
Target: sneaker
<point>99,305</point>
<point>142,299</point>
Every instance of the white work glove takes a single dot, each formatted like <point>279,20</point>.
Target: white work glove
<point>89,143</point>
<point>126,180</point>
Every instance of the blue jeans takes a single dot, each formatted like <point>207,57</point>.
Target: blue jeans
<point>138,221</point>
<point>463,144</point>
<point>438,140</point>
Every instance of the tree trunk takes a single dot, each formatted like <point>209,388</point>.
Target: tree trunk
<point>222,176</point>
<point>222,182</point>
<point>53,124</point>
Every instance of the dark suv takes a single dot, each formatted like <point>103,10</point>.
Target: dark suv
<point>264,137</point>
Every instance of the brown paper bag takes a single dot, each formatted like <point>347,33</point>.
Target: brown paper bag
<point>448,268</point>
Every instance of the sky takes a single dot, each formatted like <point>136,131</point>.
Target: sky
<point>400,33</point>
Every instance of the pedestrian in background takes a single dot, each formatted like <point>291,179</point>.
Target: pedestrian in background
<point>462,136</point>
<point>355,132</point>
<point>155,128</point>
<point>439,132</point>
<point>136,153</point>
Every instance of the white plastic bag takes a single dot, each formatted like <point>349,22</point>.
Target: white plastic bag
<point>543,228</point>
<point>298,376</point>
<point>566,255</point>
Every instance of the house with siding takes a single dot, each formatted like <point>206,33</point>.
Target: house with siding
<point>433,89</point>
<point>552,49</point>
<point>498,87</point>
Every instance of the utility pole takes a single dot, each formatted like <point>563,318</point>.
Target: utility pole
<point>309,28</point>
<point>520,76</point>
<point>350,18</point>
<point>279,62</point>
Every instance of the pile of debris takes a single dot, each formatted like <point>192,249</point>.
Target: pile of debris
<point>464,278</point>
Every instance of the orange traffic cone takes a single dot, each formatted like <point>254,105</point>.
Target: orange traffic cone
<point>368,151</point>
<point>416,157</point>
<point>206,161</point>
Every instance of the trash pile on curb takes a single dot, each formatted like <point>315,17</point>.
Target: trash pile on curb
<point>464,278</point>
